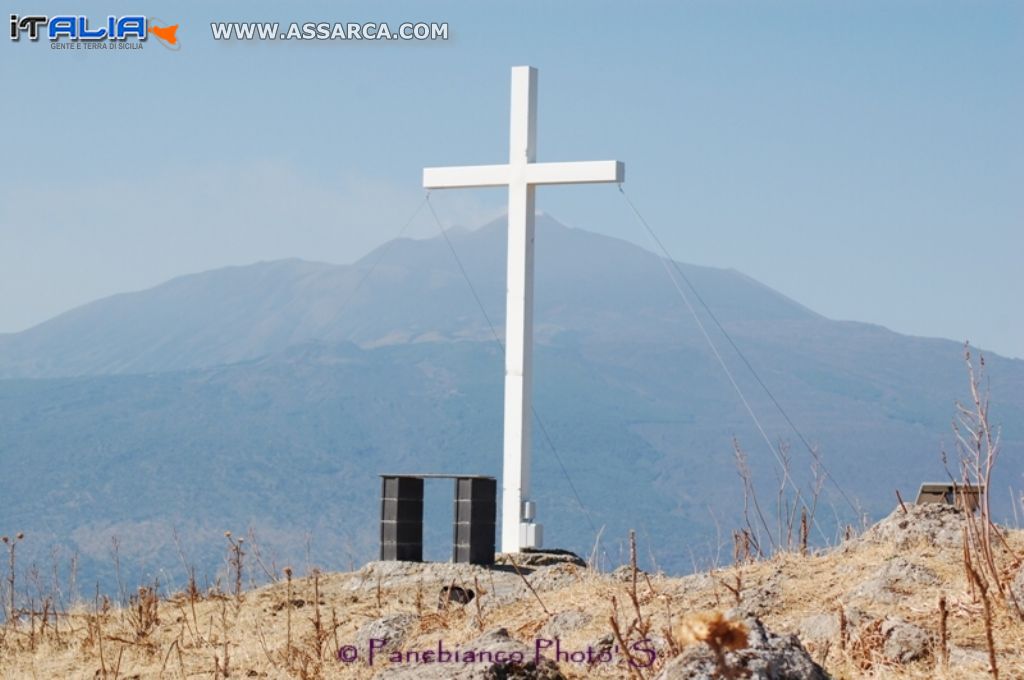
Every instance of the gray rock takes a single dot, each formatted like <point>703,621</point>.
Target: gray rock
<point>962,657</point>
<point>761,598</point>
<point>564,623</point>
<point>891,580</point>
<point>554,577</point>
<point>904,642</point>
<point>624,573</point>
<point>495,641</point>
<point>825,626</point>
<point>542,558</point>
<point>856,618</point>
<point>933,523</point>
<point>392,628</point>
<point>818,627</point>
<point>1017,586</point>
<point>687,585</point>
<point>767,657</point>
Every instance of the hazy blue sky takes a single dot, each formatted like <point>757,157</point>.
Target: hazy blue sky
<point>866,159</point>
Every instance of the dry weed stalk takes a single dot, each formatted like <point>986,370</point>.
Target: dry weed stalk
<point>98,621</point>
<point>794,512</point>
<point>899,498</point>
<point>785,509</point>
<point>670,636</point>
<point>193,595</point>
<point>317,621</point>
<point>741,547</point>
<point>335,625</point>
<point>736,590</point>
<point>11,613</point>
<point>380,604</point>
<point>254,548</point>
<point>143,611</point>
<point>978,447</point>
<point>968,568</point>
<point>641,624</point>
<point>593,562</point>
<point>288,615</point>
<point>479,606</point>
<point>519,572</point>
<point>750,499</point>
<point>307,661</point>
<point>320,632</point>
<point>117,664</point>
<point>262,638</point>
<point>844,628</point>
<point>989,638</point>
<point>167,656</point>
<point>226,667</point>
<point>235,555</point>
<point>803,531</point>
<point>631,662</point>
<point>943,632</point>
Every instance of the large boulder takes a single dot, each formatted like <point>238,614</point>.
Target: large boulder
<point>936,524</point>
<point>391,629</point>
<point>904,642</point>
<point>818,627</point>
<point>767,656</point>
<point>762,598</point>
<point>892,580</point>
<point>563,624</point>
<point>826,626</point>
<point>536,557</point>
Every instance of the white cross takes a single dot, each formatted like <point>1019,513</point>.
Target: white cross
<point>522,174</point>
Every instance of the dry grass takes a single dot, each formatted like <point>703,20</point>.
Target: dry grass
<point>293,628</point>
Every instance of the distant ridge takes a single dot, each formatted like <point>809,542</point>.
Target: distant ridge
<point>241,313</point>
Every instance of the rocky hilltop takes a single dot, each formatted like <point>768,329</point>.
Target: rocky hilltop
<point>904,599</point>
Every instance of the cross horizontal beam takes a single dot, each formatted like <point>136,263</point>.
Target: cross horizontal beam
<point>580,172</point>
<point>464,176</point>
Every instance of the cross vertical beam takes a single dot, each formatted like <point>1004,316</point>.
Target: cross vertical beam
<point>515,478</point>
<point>522,175</point>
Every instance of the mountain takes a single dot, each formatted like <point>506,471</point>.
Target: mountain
<point>272,395</point>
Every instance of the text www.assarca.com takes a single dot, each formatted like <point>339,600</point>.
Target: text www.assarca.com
<point>369,30</point>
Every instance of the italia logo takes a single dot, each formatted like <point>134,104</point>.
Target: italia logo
<point>77,28</point>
